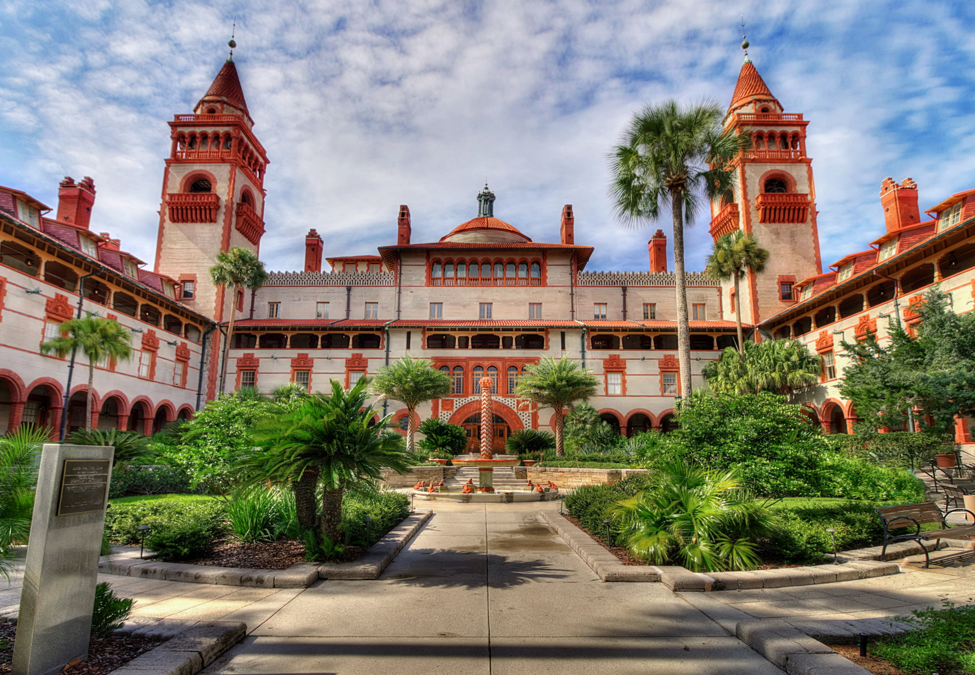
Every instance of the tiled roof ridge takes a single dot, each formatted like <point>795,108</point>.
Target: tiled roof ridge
<point>750,84</point>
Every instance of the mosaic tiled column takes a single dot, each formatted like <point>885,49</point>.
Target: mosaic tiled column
<point>486,473</point>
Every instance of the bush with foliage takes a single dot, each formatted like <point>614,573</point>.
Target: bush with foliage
<point>443,437</point>
<point>942,641</point>
<point>386,510</point>
<point>594,464</point>
<point>901,449</point>
<point>530,441</point>
<point>262,515</point>
<point>109,612</point>
<point>585,433</point>
<point>798,534</point>
<point>853,478</point>
<point>591,503</point>
<point>130,446</point>
<point>19,458</point>
<point>148,480</point>
<point>177,528</point>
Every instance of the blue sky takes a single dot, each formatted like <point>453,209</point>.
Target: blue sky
<point>363,106</point>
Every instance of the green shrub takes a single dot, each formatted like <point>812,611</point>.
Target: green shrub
<point>943,641</point>
<point>386,509</point>
<point>130,446</point>
<point>594,464</point>
<point>148,480</point>
<point>109,612</point>
<point>177,529</point>
<point>853,478</point>
<point>261,515</point>
<point>106,544</point>
<point>799,531</point>
<point>591,503</point>
<point>447,438</point>
<point>529,441</point>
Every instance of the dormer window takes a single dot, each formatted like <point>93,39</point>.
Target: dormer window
<point>130,269</point>
<point>807,291</point>
<point>888,248</point>
<point>949,217</point>
<point>169,290</point>
<point>89,247</point>
<point>845,272</point>
<point>28,214</point>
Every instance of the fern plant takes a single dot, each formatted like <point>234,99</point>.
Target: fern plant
<point>109,612</point>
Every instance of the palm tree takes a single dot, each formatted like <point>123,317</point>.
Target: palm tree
<point>668,156</point>
<point>235,269</point>
<point>732,256</point>
<point>556,384</point>
<point>97,339</point>
<point>19,456</point>
<point>411,382</point>
<point>779,366</point>
<point>328,441</point>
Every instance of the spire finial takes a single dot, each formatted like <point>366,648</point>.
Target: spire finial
<point>744,40</point>
<point>232,43</point>
<point>485,202</point>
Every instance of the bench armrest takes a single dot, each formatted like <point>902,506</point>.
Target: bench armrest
<point>947,513</point>
<point>888,524</point>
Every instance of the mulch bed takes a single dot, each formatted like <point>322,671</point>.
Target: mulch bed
<point>104,654</point>
<point>271,555</point>
<point>875,665</point>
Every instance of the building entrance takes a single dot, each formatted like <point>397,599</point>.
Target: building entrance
<point>472,425</point>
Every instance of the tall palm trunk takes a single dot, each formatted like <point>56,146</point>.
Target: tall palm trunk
<point>304,489</point>
<point>331,523</point>
<point>683,329</point>
<point>559,442</point>
<point>741,343</point>
<point>230,333</point>
<point>410,430</point>
<point>90,395</point>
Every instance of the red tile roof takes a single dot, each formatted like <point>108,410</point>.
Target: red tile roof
<point>484,223</point>
<point>483,323</point>
<point>750,85</point>
<point>584,252</point>
<point>226,86</point>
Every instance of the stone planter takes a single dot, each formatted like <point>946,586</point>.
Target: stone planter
<point>441,462</point>
<point>946,461</point>
<point>530,462</point>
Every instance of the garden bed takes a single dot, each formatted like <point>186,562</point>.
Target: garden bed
<point>874,664</point>
<point>270,555</point>
<point>104,654</point>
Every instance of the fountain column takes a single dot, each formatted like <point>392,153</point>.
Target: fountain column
<point>486,473</point>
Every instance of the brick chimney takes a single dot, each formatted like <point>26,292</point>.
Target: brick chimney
<point>568,225</point>
<point>900,203</point>
<point>403,234</point>
<point>109,243</point>
<point>658,251</point>
<point>313,251</point>
<point>75,201</point>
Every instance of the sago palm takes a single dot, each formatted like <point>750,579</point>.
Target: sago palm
<point>779,366</point>
<point>411,382</point>
<point>235,269</point>
<point>674,156</point>
<point>558,385</point>
<point>97,339</point>
<point>732,257</point>
<point>327,441</point>
<point>699,516</point>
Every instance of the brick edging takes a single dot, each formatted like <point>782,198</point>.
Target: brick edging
<point>299,575</point>
<point>680,579</point>
<point>188,652</point>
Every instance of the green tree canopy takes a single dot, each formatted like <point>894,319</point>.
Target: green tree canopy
<point>674,156</point>
<point>96,339</point>
<point>778,366</point>
<point>732,256</point>
<point>237,268</point>
<point>557,385</point>
<point>411,382</point>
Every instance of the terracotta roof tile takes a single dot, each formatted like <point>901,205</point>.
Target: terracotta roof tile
<point>226,86</point>
<point>750,85</point>
<point>484,223</point>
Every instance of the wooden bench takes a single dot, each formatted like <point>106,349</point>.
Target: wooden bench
<point>914,515</point>
<point>956,492</point>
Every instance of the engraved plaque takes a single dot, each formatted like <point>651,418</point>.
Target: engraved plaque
<point>84,486</point>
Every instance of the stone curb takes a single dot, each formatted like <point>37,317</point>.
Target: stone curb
<point>189,652</point>
<point>299,575</point>
<point>682,580</point>
<point>374,561</point>
<point>605,564</point>
<point>895,551</point>
<point>792,650</point>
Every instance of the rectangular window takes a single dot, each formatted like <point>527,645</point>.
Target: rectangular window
<point>846,271</point>
<point>32,413</point>
<point>948,217</point>
<point>888,248</point>
<point>28,214</point>
<point>374,267</point>
<point>372,310</point>
<point>785,291</point>
<point>51,330</point>
<point>145,364</point>
<point>89,247</point>
<point>354,377</point>
<point>649,311</point>
<point>189,290</point>
<point>102,362</point>
<point>829,366</point>
<point>534,310</point>
<point>733,301</point>
<point>321,310</point>
<point>169,290</point>
<point>303,377</point>
<point>699,312</point>
<point>807,291</point>
<point>436,310</point>
<point>131,269</point>
<point>457,384</point>
<point>274,310</point>
<point>178,373</point>
<point>485,312</point>
<point>670,384</point>
<point>240,300</point>
<point>248,378</point>
<point>614,384</point>
<point>599,310</point>
<point>562,340</point>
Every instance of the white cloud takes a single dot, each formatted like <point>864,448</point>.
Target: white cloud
<point>365,106</point>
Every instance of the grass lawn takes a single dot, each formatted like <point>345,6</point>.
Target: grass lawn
<point>167,498</point>
<point>807,502</point>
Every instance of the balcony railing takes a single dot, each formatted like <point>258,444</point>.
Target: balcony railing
<point>193,207</point>
<point>782,208</point>
<point>249,223</point>
<point>215,153</point>
<point>725,222</point>
<point>208,118</point>
<point>769,117</point>
<point>775,154</point>
<point>485,281</point>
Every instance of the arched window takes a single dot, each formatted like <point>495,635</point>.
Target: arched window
<point>759,142</point>
<point>512,379</point>
<point>509,269</point>
<point>784,142</point>
<point>477,374</point>
<point>486,270</point>
<point>499,270</point>
<point>764,109</point>
<point>448,269</point>
<point>457,383</point>
<point>201,185</point>
<point>536,269</point>
<point>437,270</point>
<point>522,269</point>
<point>775,186</point>
<point>461,269</point>
<point>472,266</point>
<point>245,198</point>
<point>492,372</point>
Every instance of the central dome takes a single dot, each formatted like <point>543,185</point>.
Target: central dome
<point>485,229</point>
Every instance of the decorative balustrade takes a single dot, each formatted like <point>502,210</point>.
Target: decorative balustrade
<point>193,207</point>
<point>208,118</point>
<point>782,208</point>
<point>484,281</point>
<point>775,155</point>
<point>249,223</point>
<point>195,153</point>
<point>725,222</point>
<point>769,117</point>
<point>330,279</point>
<point>642,279</point>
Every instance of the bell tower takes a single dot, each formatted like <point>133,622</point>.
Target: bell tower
<point>213,190</point>
<point>775,198</point>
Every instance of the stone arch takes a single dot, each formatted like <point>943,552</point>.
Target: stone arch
<point>11,400</point>
<point>633,416</point>
<point>164,413</point>
<point>49,383</point>
<point>185,412</point>
<point>667,421</point>
<point>197,174</point>
<point>396,422</point>
<point>500,409</point>
<point>778,174</point>
<point>49,416</point>
<point>614,419</point>
<point>15,384</point>
<point>832,417</point>
<point>96,399</point>
<point>141,415</point>
<point>115,393</point>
